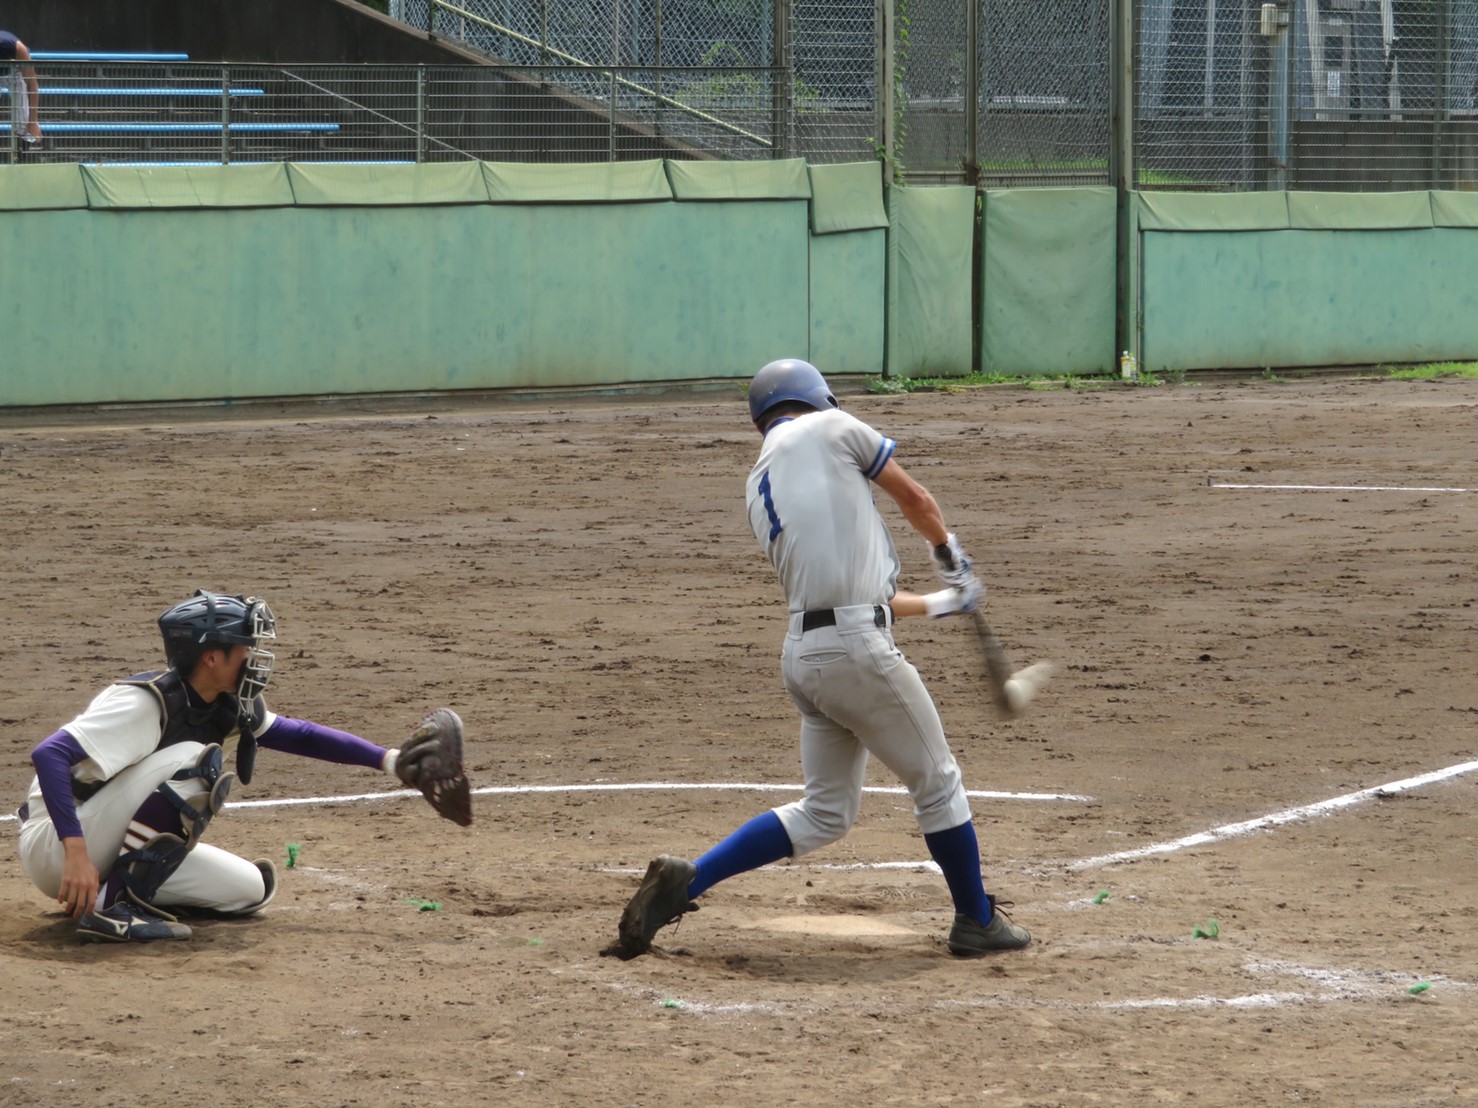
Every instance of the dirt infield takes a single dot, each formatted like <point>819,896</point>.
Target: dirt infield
<point>577,579</point>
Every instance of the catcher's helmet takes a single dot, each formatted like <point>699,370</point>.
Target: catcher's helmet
<point>211,620</point>
<point>788,379</point>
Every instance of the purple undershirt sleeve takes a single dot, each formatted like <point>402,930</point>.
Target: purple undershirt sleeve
<point>54,759</point>
<point>313,740</point>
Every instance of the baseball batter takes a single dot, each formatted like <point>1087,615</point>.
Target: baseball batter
<point>811,508</point>
<point>124,792</point>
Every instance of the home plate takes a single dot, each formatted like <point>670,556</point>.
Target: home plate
<point>831,925</point>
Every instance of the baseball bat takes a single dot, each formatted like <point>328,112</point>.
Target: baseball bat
<point>997,666</point>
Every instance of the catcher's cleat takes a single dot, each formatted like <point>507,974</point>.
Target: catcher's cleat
<point>968,938</point>
<point>661,898</point>
<point>128,923</point>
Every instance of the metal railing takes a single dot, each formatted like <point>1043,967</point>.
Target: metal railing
<point>198,113</point>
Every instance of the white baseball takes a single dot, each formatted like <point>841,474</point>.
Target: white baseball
<point>1022,685</point>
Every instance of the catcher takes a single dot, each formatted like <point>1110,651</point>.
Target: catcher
<point>124,792</point>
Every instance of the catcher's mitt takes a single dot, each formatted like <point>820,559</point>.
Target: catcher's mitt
<point>431,760</point>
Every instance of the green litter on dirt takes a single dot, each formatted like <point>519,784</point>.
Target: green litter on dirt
<point>1208,930</point>
<point>293,850</point>
<point>1103,894</point>
<point>424,905</point>
<point>1419,987</point>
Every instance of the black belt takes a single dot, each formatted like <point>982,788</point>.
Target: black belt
<point>827,617</point>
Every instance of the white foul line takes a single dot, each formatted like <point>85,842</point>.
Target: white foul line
<point>620,787</point>
<point>635,786</point>
<point>1288,815</point>
<point>1341,488</point>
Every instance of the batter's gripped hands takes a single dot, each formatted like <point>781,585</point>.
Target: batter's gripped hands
<point>959,600</point>
<point>79,892</point>
<point>951,563</point>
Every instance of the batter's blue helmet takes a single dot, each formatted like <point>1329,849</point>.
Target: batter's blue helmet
<point>788,379</point>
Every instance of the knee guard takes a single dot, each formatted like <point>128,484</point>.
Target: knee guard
<point>196,812</point>
<point>145,869</point>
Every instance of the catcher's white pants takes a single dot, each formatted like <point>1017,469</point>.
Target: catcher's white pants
<point>857,695</point>
<point>208,878</point>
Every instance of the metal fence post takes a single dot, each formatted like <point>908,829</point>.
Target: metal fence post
<point>1441,48</point>
<point>884,77</point>
<point>657,77</point>
<point>225,115</point>
<point>15,139</point>
<point>611,133</point>
<point>1121,166</point>
<point>972,91</point>
<point>783,81</point>
<point>420,114</point>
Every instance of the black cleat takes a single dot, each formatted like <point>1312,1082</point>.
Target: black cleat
<point>661,898</point>
<point>128,923</point>
<point>968,938</point>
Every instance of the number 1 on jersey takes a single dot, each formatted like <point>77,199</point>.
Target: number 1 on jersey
<point>775,525</point>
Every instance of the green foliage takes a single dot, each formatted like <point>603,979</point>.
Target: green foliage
<point>1430,372</point>
<point>900,91</point>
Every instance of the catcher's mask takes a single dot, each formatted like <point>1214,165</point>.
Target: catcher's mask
<point>212,620</point>
<point>788,379</point>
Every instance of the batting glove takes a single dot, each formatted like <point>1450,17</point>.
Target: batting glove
<point>951,563</point>
<point>954,601</point>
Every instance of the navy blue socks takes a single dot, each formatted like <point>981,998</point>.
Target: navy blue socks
<point>758,843</point>
<point>957,853</point>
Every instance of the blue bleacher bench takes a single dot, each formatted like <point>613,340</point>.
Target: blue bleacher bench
<point>104,56</point>
<point>59,129</point>
<point>217,161</point>
<point>51,90</point>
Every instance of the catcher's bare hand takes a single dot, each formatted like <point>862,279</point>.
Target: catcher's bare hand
<point>431,760</point>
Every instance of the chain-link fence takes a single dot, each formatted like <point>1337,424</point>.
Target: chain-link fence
<point>1227,94</point>
<point>1369,95</point>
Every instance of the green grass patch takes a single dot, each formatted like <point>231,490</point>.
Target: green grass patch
<point>893,386</point>
<point>1430,372</point>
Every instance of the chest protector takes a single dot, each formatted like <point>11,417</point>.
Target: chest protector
<point>181,721</point>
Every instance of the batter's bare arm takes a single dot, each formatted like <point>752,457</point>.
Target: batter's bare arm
<point>916,502</point>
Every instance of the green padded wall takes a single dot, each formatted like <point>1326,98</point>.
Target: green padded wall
<point>1323,279</point>
<point>1301,298</point>
<point>930,252</point>
<point>1047,281</point>
<point>187,304</point>
<point>848,296</point>
<point>849,260</point>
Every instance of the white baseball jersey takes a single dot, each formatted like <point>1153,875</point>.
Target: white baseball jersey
<point>118,729</point>
<point>811,508</point>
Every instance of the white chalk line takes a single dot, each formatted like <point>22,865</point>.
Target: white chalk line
<point>1328,986</point>
<point>1331,986</point>
<point>1342,488</point>
<point>635,786</point>
<point>1276,819</point>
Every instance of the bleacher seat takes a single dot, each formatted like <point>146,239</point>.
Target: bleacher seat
<point>107,93</point>
<point>102,56</point>
<point>60,129</point>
